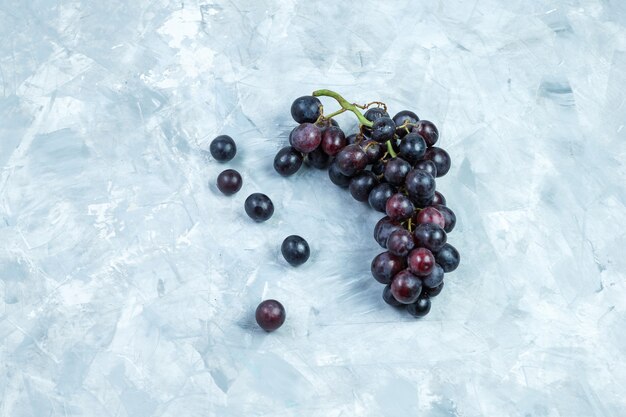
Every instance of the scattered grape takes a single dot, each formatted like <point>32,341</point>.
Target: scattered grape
<point>223,148</point>
<point>259,207</point>
<point>295,250</point>
<point>229,181</point>
<point>270,315</point>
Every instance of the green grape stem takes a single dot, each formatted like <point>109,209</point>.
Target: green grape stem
<point>345,105</point>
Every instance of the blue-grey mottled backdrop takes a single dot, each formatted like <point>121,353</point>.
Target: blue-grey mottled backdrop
<point>127,284</point>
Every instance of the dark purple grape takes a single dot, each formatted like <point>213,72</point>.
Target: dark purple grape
<point>435,278</point>
<point>383,229</point>
<point>431,215</point>
<point>412,148</point>
<point>428,131</point>
<point>421,261</point>
<point>440,158</point>
<point>388,297</point>
<point>420,184</point>
<point>378,167</point>
<point>306,137</point>
<point>259,207</point>
<point>433,292</point>
<point>319,159</point>
<point>223,148</point>
<point>448,216</point>
<point>270,315</point>
<point>383,129</point>
<point>287,161</point>
<point>229,182</point>
<point>351,160</point>
<point>400,242</point>
<point>396,170</point>
<point>385,266</point>
<point>430,236</point>
<point>295,250</point>
<point>426,165</point>
<point>439,199</point>
<point>333,140</point>
<point>399,207</point>
<point>336,177</point>
<point>420,308</point>
<point>373,150</point>
<point>374,113</point>
<point>362,184</point>
<point>405,116</point>
<point>306,109</point>
<point>379,195</point>
<point>406,287</point>
<point>448,257</point>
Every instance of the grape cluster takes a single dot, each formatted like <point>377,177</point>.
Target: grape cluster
<point>391,163</point>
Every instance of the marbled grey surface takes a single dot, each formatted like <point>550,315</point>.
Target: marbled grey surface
<point>127,284</point>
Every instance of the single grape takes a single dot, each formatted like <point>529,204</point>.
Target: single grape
<point>386,265</point>
<point>351,160</point>
<point>420,184</point>
<point>399,207</point>
<point>362,184</point>
<point>306,137</point>
<point>259,207</point>
<point>421,261</point>
<point>406,287</point>
<point>431,215</point>
<point>420,308</point>
<point>270,315</point>
<point>448,257</point>
<point>435,278</point>
<point>426,165</point>
<point>430,236</point>
<point>374,113</point>
<point>396,170</point>
<point>412,148</point>
<point>448,216</point>
<point>440,158</point>
<point>373,150</point>
<point>400,242</point>
<point>433,292</point>
<point>379,195</point>
<point>229,181</point>
<point>287,161</point>
<point>318,158</point>
<point>306,109</point>
<point>336,177</point>
<point>333,140</point>
<point>404,116</point>
<point>439,199</point>
<point>383,229</point>
<point>295,250</point>
<point>383,129</point>
<point>223,148</point>
<point>428,131</point>
<point>388,297</point>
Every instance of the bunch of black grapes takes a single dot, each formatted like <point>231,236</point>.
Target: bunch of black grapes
<point>390,163</point>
